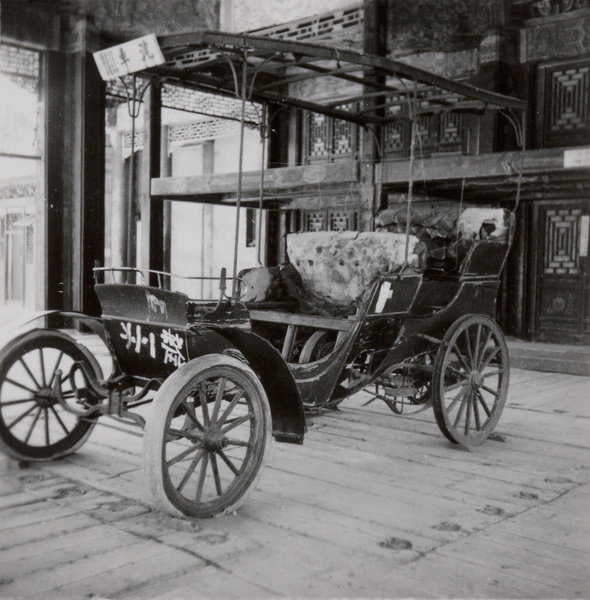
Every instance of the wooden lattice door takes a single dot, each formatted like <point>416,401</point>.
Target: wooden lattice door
<point>562,282</point>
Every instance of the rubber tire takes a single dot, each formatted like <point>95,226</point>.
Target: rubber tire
<point>165,406</point>
<point>38,339</point>
<point>443,418</point>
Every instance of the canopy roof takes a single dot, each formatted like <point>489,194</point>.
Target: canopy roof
<point>386,89</point>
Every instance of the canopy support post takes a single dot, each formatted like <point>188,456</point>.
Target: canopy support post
<point>243,95</point>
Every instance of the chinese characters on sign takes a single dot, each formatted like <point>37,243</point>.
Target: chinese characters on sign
<point>171,343</point>
<point>130,57</point>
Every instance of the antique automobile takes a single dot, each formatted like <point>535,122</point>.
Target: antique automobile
<point>390,311</point>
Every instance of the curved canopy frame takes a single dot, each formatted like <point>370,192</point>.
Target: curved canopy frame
<point>261,69</point>
<point>391,90</point>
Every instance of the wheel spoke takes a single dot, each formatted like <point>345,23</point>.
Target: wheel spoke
<point>468,415</point>
<point>218,399</point>
<point>490,390</point>
<point>46,411</point>
<point>215,468</point>
<point>190,470</point>
<point>19,419</point>
<point>454,386</point>
<point>184,454</point>
<point>456,371</point>
<point>202,475</point>
<point>492,373</point>
<point>30,431</point>
<point>476,349</point>
<point>456,399</point>
<point>204,407</point>
<point>238,443</point>
<point>29,372</point>
<point>237,396</point>
<point>483,403</point>
<point>476,411</point>
<point>468,346</point>
<point>229,463</point>
<point>190,411</point>
<point>464,401</point>
<point>13,402</point>
<point>487,360</point>
<point>54,370</point>
<point>234,424</point>
<point>42,365</point>
<point>460,358</point>
<point>59,420</point>
<point>483,346</point>
<point>183,433</point>
<point>20,385</point>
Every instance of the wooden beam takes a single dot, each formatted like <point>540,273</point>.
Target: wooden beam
<point>274,180</point>
<point>498,164</point>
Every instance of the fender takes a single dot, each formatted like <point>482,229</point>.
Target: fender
<point>288,417</point>
<point>8,333</point>
<point>23,335</point>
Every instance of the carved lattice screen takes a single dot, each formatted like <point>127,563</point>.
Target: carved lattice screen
<point>563,104</point>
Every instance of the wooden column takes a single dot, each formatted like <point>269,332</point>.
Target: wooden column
<point>152,209</point>
<point>53,251</point>
<point>374,43</point>
<point>166,171</point>
<point>80,156</point>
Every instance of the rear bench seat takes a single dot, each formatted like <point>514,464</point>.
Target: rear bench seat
<point>329,271</point>
<point>448,231</point>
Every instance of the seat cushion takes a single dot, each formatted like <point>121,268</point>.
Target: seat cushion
<point>483,223</point>
<point>336,268</point>
<point>260,284</point>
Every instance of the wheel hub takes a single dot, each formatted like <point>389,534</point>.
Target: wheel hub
<point>45,398</point>
<point>214,440</point>
<point>476,380</point>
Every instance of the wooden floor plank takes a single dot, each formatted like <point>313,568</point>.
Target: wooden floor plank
<point>85,567</point>
<point>372,505</point>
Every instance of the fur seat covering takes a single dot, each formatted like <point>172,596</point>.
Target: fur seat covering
<point>336,268</point>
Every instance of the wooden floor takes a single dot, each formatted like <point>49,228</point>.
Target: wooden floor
<point>371,506</point>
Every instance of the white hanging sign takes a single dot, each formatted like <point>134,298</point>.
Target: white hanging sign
<point>130,57</point>
<point>584,231</point>
<point>576,158</point>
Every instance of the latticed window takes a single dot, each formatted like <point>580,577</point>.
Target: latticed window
<point>343,220</point>
<point>563,103</point>
<point>315,220</point>
<point>438,133</point>
<point>331,219</point>
<point>561,241</point>
<point>328,139</point>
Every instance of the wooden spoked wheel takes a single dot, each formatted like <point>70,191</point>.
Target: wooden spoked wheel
<point>319,344</point>
<point>34,426</point>
<point>208,437</point>
<point>470,380</point>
